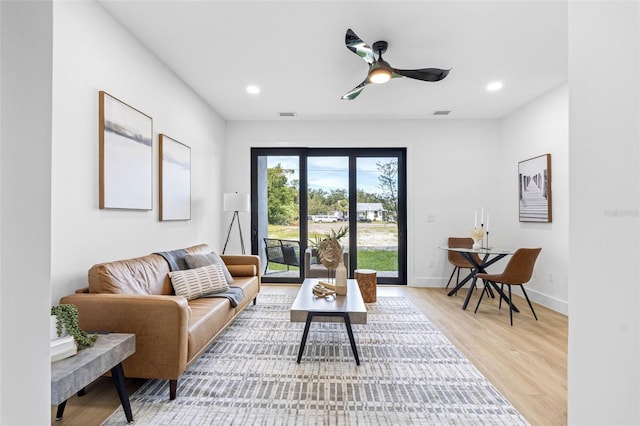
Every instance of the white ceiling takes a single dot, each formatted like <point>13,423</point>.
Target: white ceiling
<point>295,52</point>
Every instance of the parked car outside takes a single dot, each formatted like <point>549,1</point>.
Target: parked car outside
<point>325,219</point>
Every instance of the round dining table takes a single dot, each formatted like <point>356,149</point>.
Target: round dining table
<point>488,256</point>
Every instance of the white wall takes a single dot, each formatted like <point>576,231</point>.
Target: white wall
<point>92,52</point>
<point>25,211</point>
<point>454,167</point>
<point>448,171</point>
<point>540,127</point>
<point>604,171</point>
<point>55,59</point>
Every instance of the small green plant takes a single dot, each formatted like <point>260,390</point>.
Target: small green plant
<point>331,234</point>
<point>67,317</point>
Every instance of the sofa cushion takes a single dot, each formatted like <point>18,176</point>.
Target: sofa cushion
<point>141,275</point>
<point>250,286</point>
<point>208,317</point>
<point>198,260</point>
<point>193,283</point>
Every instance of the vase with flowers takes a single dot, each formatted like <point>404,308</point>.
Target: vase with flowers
<point>330,255</point>
<point>477,234</point>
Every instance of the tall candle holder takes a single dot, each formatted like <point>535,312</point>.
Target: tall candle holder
<point>488,240</point>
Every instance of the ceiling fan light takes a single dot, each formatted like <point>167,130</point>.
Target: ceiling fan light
<point>379,76</point>
<point>493,86</point>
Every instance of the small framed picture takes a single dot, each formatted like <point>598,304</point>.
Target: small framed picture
<point>126,156</point>
<point>534,189</point>
<point>175,180</point>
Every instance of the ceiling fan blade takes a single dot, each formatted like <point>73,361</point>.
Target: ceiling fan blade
<point>424,74</point>
<point>359,47</point>
<point>353,93</point>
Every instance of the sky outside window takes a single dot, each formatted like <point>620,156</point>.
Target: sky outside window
<point>331,173</point>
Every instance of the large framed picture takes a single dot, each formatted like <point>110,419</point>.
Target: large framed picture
<point>534,189</point>
<point>175,180</point>
<point>126,156</point>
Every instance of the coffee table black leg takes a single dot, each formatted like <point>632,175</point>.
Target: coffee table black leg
<point>347,323</point>
<point>117,374</point>
<point>61,406</point>
<point>60,410</point>
<point>304,336</point>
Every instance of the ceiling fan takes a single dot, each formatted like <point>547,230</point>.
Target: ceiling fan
<point>379,70</point>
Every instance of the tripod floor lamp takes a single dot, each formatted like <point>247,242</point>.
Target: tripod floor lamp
<point>234,202</point>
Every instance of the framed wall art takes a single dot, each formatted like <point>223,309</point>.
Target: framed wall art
<point>534,189</point>
<point>175,180</point>
<point>126,156</point>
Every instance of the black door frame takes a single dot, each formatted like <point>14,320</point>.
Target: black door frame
<point>353,153</point>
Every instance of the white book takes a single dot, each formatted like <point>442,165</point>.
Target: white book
<point>65,340</point>
<point>63,347</point>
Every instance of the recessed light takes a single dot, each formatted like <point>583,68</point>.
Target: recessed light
<point>254,90</point>
<point>496,85</point>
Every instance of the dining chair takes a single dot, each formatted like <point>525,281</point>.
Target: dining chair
<point>517,272</point>
<point>457,259</point>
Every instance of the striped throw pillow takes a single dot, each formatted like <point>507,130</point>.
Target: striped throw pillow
<point>193,283</point>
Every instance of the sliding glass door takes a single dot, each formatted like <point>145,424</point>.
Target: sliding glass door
<point>276,234</point>
<point>300,196</point>
<point>377,215</point>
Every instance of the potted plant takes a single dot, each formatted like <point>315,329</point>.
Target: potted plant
<point>67,321</point>
<point>331,234</point>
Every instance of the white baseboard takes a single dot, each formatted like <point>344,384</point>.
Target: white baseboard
<point>561,306</point>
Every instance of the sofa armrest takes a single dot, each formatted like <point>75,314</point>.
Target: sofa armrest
<point>242,259</point>
<point>307,259</point>
<point>159,322</point>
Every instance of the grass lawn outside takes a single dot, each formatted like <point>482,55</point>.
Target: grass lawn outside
<point>378,242</point>
<point>378,260</point>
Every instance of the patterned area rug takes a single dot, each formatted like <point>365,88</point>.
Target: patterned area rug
<point>410,374</point>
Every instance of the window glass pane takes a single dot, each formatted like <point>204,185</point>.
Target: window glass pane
<point>279,219</point>
<point>328,202</point>
<point>377,213</point>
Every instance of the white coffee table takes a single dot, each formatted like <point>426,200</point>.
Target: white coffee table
<point>350,309</point>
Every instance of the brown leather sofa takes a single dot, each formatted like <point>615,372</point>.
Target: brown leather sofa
<point>136,296</point>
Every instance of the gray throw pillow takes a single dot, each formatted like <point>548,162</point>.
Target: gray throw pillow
<point>198,260</point>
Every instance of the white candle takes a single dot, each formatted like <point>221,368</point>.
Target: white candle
<point>487,222</point>
<point>475,219</point>
<point>482,216</point>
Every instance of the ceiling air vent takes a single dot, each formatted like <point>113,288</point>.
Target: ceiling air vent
<point>287,114</point>
<point>441,112</point>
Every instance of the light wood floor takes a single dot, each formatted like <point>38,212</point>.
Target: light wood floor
<point>527,363</point>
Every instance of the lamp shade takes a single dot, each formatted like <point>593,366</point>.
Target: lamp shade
<point>235,202</point>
